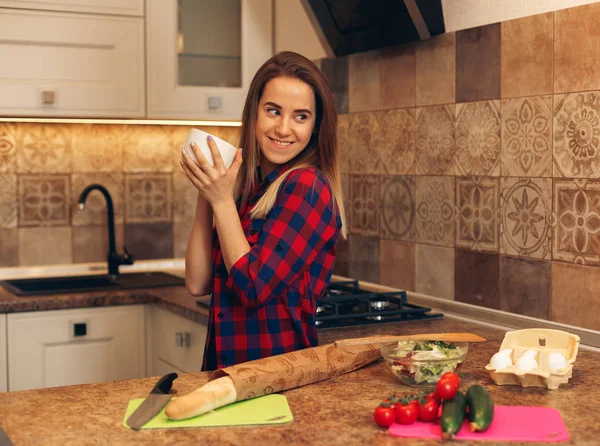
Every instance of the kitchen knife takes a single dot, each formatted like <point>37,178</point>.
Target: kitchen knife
<point>153,404</point>
<point>4,440</point>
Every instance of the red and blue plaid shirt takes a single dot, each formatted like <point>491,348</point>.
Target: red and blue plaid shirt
<point>266,305</point>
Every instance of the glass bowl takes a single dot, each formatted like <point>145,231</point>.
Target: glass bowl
<point>422,363</point>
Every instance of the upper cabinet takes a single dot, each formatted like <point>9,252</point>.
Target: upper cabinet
<point>202,55</point>
<point>119,7</point>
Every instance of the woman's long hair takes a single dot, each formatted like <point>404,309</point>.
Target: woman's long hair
<point>321,152</point>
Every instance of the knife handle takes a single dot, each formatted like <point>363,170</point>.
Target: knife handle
<point>164,384</point>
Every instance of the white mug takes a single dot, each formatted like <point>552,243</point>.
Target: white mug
<point>199,137</point>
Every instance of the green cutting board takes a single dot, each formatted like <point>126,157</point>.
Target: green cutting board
<point>269,409</point>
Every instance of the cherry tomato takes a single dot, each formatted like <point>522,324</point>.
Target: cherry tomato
<point>447,388</point>
<point>428,411</point>
<point>407,413</point>
<point>451,376</point>
<point>415,404</point>
<point>433,396</point>
<point>384,416</point>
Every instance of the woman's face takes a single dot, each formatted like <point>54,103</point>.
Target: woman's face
<point>285,121</point>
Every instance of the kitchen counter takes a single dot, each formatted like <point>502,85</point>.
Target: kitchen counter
<point>337,411</point>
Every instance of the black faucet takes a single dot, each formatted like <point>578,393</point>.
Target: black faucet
<point>114,258</point>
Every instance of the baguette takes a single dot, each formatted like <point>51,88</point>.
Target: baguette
<point>210,396</point>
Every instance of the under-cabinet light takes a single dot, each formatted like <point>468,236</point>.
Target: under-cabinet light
<point>123,121</point>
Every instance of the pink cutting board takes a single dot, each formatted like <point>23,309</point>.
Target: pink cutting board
<point>511,423</point>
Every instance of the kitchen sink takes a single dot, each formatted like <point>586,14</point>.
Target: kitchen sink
<point>75,284</point>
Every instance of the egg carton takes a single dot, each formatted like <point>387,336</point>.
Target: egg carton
<point>544,342</point>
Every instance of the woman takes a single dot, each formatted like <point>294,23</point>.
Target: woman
<point>271,253</point>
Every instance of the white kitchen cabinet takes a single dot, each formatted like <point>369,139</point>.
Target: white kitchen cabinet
<point>67,347</point>
<point>119,7</point>
<point>71,65</point>
<point>212,59</point>
<point>3,360</point>
<point>176,344</point>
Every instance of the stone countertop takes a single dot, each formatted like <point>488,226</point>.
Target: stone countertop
<point>337,411</point>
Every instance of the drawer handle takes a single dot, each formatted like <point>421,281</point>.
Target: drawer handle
<point>183,338</point>
<point>48,97</point>
<point>79,329</point>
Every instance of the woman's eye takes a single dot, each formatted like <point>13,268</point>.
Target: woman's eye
<point>273,111</point>
<point>302,117</point>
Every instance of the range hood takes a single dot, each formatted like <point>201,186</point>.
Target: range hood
<point>353,26</point>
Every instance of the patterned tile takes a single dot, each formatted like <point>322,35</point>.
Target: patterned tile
<point>576,49</point>
<point>476,278</point>
<point>364,193</point>
<point>90,243</point>
<point>478,63</point>
<point>8,201</point>
<point>341,266</point>
<point>435,271</point>
<point>576,236</point>
<point>527,137</point>
<point>98,147</point>
<point>343,144</point>
<point>95,204</point>
<point>363,82</point>
<point>181,236</point>
<point>477,200</point>
<point>526,216</point>
<point>185,196</point>
<point>435,210</point>
<point>575,291</point>
<point>397,214</point>
<point>527,58</point>
<point>150,240</point>
<point>478,138</point>
<point>525,287</point>
<point>577,135</point>
<point>336,71</point>
<point>364,258</point>
<point>397,266</point>
<point>44,200</point>
<point>397,65</point>
<point>397,136</point>
<point>364,140</point>
<point>43,148</point>
<point>148,198</point>
<point>8,147</point>
<point>9,241</point>
<point>45,246</point>
<point>434,140</point>
<point>436,70</point>
<point>148,148</point>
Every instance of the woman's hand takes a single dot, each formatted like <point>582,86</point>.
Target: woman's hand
<point>215,183</point>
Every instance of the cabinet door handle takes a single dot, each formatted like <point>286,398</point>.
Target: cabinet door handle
<point>183,338</point>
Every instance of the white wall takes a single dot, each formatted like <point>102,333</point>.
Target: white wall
<point>294,32</point>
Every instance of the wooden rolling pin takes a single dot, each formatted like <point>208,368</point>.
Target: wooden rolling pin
<point>446,337</point>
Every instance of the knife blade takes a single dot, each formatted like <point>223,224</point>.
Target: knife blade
<point>154,402</point>
<point>4,440</point>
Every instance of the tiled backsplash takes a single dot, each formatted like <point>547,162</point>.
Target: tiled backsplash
<point>471,165</point>
<point>45,167</point>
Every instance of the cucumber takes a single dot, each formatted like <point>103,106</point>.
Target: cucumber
<point>453,415</point>
<point>481,408</point>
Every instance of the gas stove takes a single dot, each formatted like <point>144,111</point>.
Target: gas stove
<point>345,303</point>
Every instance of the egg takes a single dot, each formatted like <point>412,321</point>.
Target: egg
<point>501,360</point>
<point>557,362</point>
<point>526,362</point>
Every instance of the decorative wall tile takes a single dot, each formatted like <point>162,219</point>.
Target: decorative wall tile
<point>397,218</point>
<point>341,266</point>
<point>90,243</point>
<point>9,241</point>
<point>150,240</point>
<point>364,258</point>
<point>434,140</point>
<point>364,141</point>
<point>148,149</point>
<point>435,271</point>
<point>397,136</point>
<point>397,265</point>
<point>575,291</point>
<point>526,216</point>
<point>44,200</point>
<point>148,198</point>
<point>477,200</point>
<point>576,235</point>
<point>478,63</point>
<point>576,49</point>
<point>435,210</point>
<point>98,147</point>
<point>476,278</point>
<point>181,236</point>
<point>436,70</point>
<point>527,55</point>
<point>185,196</point>
<point>43,148</point>
<point>336,71</point>
<point>363,82</point>
<point>478,138</point>
<point>8,147</point>
<point>95,204</point>
<point>8,201</point>
<point>527,137</point>
<point>45,246</point>
<point>343,144</point>
<point>577,135</point>
<point>525,287</point>
<point>397,66</point>
<point>364,193</point>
